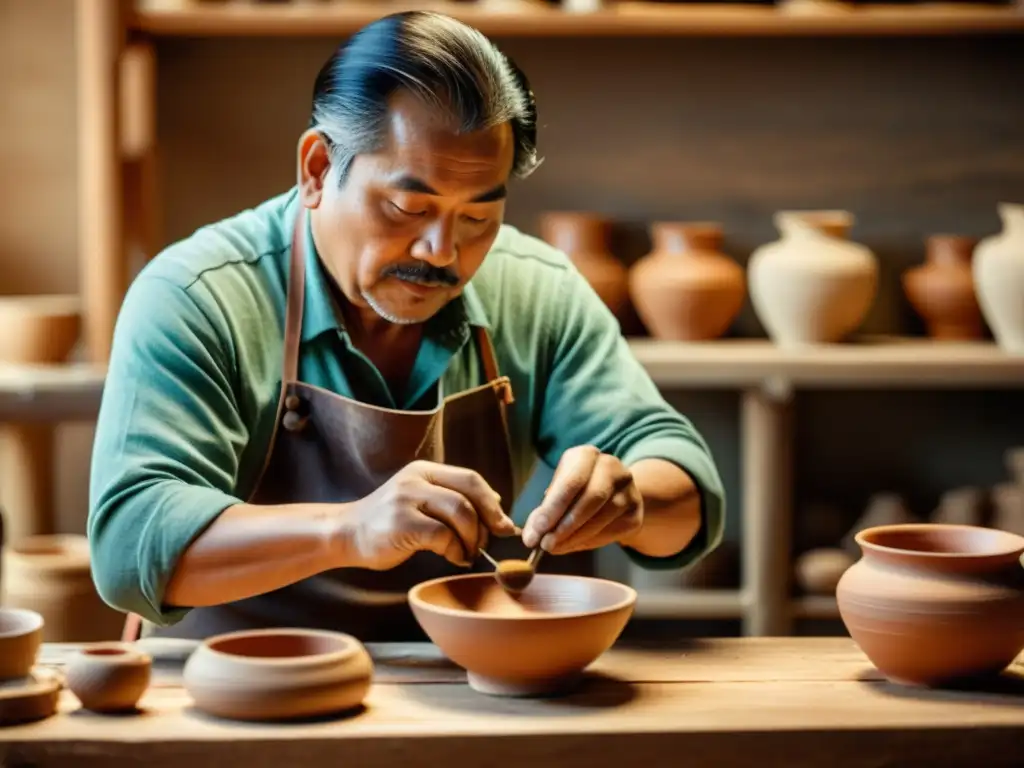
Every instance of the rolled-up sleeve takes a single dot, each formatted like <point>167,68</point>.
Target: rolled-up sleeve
<point>597,393</point>
<point>167,445</point>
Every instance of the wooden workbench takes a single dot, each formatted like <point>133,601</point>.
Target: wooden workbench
<point>761,702</point>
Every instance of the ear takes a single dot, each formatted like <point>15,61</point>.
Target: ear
<point>314,163</point>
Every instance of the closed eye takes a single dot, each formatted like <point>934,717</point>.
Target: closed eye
<point>403,211</point>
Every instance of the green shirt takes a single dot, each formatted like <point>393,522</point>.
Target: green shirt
<point>192,385</point>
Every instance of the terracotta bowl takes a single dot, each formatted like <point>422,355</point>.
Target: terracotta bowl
<point>278,674</point>
<point>21,634</point>
<point>39,329</point>
<point>536,643</point>
<point>109,677</point>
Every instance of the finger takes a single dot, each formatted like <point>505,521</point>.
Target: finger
<point>454,510</point>
<point>570,479</point>
<point>619,517</point>
<point>424,533</point>
<point>472,486</point>
<point>608,478</point>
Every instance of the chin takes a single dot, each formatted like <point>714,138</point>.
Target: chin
<point>403,312</point>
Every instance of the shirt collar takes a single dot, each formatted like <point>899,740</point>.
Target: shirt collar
<point>322,314</point>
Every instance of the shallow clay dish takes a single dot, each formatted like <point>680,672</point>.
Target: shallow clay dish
<point>935,604</point>
<point>278,674</point>
<point>21,634</point>
<point>109,677</point>
<point>535,643</point>
<point>29,698</point>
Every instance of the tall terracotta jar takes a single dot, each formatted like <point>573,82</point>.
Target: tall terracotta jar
<point>583,237</point>
<point>51,575</point>
<point>941,290</point>
<point>933,604</point>
<point>812,286</point>
<point>999,279</point>
<point>686,289</point>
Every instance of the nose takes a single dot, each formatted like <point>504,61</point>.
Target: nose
<point>436,244</point>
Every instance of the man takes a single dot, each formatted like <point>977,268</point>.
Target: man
<point>317,403</point>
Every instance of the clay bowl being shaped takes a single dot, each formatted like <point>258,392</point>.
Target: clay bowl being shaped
<point>534,643</point>
<point>21,634</point>
<point>935,604</point>
<point>278,674</point>
<point>109,677</point>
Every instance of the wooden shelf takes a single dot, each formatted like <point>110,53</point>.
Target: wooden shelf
<point>73,391</point>
<point>524,19</point>
<point>689,604</point>
<point>881,362</point>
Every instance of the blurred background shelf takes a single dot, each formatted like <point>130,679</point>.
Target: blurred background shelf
<point>689,604</point>
<point>509,18</point>
<point>72,391</point>
<point>815,607</point>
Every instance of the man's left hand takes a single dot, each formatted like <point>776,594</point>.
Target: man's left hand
<point>591,501</point>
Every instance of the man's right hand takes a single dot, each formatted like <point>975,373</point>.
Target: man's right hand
<point>425,507</point>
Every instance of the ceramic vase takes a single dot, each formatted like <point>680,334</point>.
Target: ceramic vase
<point>583,237</point>
<point>935,604</point>
<point>812,286</point>
<point>51,575</point>
<point>999,279</point>
<point>941,290</point>
<point>685,289</point>
<point>109,677</point>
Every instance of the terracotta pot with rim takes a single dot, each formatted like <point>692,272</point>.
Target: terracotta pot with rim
<point>686,289</point>
<point>941,290</point>
<point>932,604</point>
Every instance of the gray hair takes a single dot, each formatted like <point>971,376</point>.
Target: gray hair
<point>452,67</point>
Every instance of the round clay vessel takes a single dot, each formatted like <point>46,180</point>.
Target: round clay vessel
<point>818,571</point>
<point>21,635</point>
<point>686,289</point>
<point>812,286</point>
<point>536,643</point>
<point>941,290</point>
<point>39,329</point>
<point>935,604</point>
<point>109,677</point>
<point>278,674</point>
<point>999,279</point>
<point>583,237</point>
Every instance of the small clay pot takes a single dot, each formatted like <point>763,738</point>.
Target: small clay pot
<point>885,508</point>
<point>998,269</point>
<point>936,604</point>
<point>686,289</point>
<point>39,329</point>
<point>584,237</point>
<point>536,643</point>
<point>962,506</point>
<point>1008,508</point>
<point>941,290</point>
<point>109,677</point>
<point>818,571</point>
<point>21,635</point>
<point>279,674</point>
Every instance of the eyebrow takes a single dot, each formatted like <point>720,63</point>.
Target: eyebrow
<point>412,184</point>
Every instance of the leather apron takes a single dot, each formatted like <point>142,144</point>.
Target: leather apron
<point>330,448</point>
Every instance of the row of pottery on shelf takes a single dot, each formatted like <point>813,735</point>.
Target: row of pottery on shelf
<point>536,642</point>
<point>818,569</point>
<point>811,286</point>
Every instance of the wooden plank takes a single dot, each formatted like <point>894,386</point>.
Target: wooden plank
<point>521,19</point>
<point>716,724</point>
<point>50,392</point>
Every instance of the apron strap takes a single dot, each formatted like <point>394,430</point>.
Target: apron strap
<point>296,298</point>
<point>487,356</point>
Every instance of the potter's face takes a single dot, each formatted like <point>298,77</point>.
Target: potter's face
<point>412,222</point>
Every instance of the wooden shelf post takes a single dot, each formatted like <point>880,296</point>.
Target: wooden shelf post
<point>766,451</point>
<point>100,28</point>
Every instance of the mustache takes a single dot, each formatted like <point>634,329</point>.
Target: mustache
<point>422,273</point>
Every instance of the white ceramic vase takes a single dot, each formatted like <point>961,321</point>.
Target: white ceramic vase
<point>999,279</point>
<point>812,286</point>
